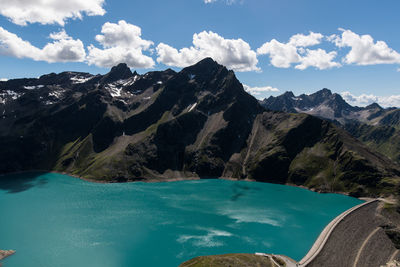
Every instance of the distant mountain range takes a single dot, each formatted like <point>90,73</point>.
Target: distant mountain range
<point>377,127</point>
<point>196,123</point>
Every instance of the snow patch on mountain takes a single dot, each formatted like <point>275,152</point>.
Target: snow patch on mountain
<point>114,90</point>
<point>56,94</point>
<point>80,79</point>
<point>12,94</point>
<point>191,107</point>
<point>33,87</point>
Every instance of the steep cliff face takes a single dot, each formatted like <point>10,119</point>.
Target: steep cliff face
<point>196,123</point>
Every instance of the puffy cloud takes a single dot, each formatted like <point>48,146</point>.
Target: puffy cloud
<point>62,49</point>
<point>364,99</point>
<point>301,40</point>
<point>120,42</point>
<point>259,90</point>
<point>283,55</point>
<point>364,51</point>
<point>172,57</point>
<point>3,79</point>
<point>12,45</point>
<point>22,12</point>
<point>233,53</point>
<point>228,2</point>
<point>319,59</point>
<point>109,57</point>
<point>122,35</point>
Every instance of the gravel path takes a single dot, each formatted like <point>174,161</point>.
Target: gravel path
<point>376,251</point>
<point>366,241</point>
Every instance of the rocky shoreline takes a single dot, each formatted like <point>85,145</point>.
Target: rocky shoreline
<point>167,179</point>
<point>5,253</point>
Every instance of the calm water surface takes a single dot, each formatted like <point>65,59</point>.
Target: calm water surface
<point>55,220</point>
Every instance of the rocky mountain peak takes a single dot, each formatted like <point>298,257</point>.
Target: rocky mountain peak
<point>206,62</point>
<point>288,94</point>
<point>338,100</point>
<point>204,68</point>
<point>57,78</point>
<point>324,91</point>
<point>325,104</point>
<point>373,106</point>
<point>119,72</point>
<point>320,95</point>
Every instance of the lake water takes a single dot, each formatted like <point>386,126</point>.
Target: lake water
<point>54,220</point>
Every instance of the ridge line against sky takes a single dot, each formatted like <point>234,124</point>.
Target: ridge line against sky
<point>264,63</point>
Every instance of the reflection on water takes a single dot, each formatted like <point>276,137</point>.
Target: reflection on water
<point>17,183</point>
<point>239,190</point>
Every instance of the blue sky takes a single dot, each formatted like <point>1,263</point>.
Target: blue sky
<point>273,45</point>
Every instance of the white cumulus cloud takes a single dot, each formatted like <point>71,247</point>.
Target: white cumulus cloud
<point>228,2</point>
<point>3,79</point>
<point>259,90</point>
<point>283,55</point>
<point>364,50</point>
<point>301,40</point>
<point>122,34</point>
<point>236,54</point>
<point>22,12</point>
<point>12,45</point>
<point>319,59</point>
<point>121,42</point>
<point>62,49</point>
<point>365,99</point>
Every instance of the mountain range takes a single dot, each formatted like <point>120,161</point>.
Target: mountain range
<point>377,127</point>
<point>196,123</point>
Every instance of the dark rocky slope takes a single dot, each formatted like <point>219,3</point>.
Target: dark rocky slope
<point>198,123</point>
<point>375,126</point>
<point>382,135</point>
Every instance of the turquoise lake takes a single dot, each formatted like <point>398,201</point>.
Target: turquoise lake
<point>54,220</point>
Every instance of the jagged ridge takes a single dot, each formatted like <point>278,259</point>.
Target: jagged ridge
<point>198,122</point>
<point>373,125</point>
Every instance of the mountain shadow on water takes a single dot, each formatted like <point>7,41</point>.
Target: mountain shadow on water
<point>17,183</point>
